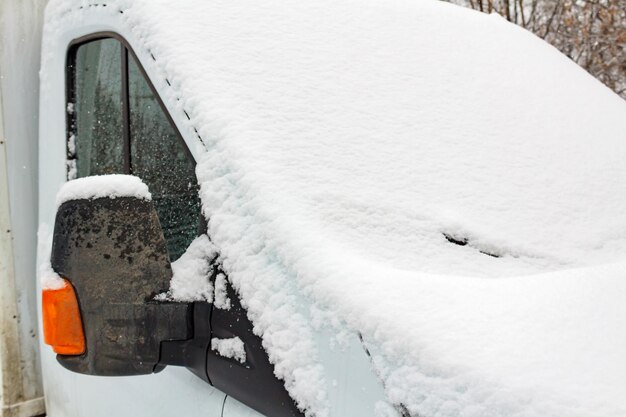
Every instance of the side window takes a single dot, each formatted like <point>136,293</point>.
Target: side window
<point>117,125</point>
<point>97,107</point>
<point>161,160</point>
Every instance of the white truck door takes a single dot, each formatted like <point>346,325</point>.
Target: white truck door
<point>233,408</point>
<point>89,136</point>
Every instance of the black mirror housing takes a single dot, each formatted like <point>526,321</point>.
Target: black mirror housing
<point>113,252</point>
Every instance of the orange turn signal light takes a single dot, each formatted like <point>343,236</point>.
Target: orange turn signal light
<point>62,325</point>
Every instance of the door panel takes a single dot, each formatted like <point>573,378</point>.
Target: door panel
<point>233,408</point>
<point>137,137</point>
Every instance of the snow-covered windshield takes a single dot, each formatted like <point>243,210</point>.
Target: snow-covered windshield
<point>394,129</point>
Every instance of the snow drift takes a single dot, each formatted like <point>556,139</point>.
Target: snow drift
<point>445,183</point>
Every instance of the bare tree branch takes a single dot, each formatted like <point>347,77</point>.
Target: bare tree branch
<point>551,19</point>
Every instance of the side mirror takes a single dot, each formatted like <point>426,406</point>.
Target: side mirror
<point>110,260</point>
<point>112,251</point>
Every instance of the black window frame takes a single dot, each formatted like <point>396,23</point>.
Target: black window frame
<point>70,95</point>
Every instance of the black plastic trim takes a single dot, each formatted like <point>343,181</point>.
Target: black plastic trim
<point>191,353</point>
<point>128,166</point>
<point>253,382</point>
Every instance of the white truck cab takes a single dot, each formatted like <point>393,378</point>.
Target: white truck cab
<point>114,119</point>
<point>327,208</point>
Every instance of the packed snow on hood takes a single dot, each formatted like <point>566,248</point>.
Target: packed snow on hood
<point>441,181</point>
<point>99,186</point>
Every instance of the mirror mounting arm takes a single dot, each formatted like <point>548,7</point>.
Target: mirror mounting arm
<point>191,353</point>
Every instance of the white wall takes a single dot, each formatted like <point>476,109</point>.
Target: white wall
<point>20,41</point>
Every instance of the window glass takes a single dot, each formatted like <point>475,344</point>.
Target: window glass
<point>97,108</point>
<point>161,160</point>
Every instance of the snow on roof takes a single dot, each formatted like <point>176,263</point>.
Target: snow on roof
<point>448,184</point>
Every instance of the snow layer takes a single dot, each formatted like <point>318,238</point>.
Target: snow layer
<point>50,280</point>
<point>350,144</point>
<point>99,186</point>
<point>191,273</point>
<point>230,348</point>
<point>221,297</point>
